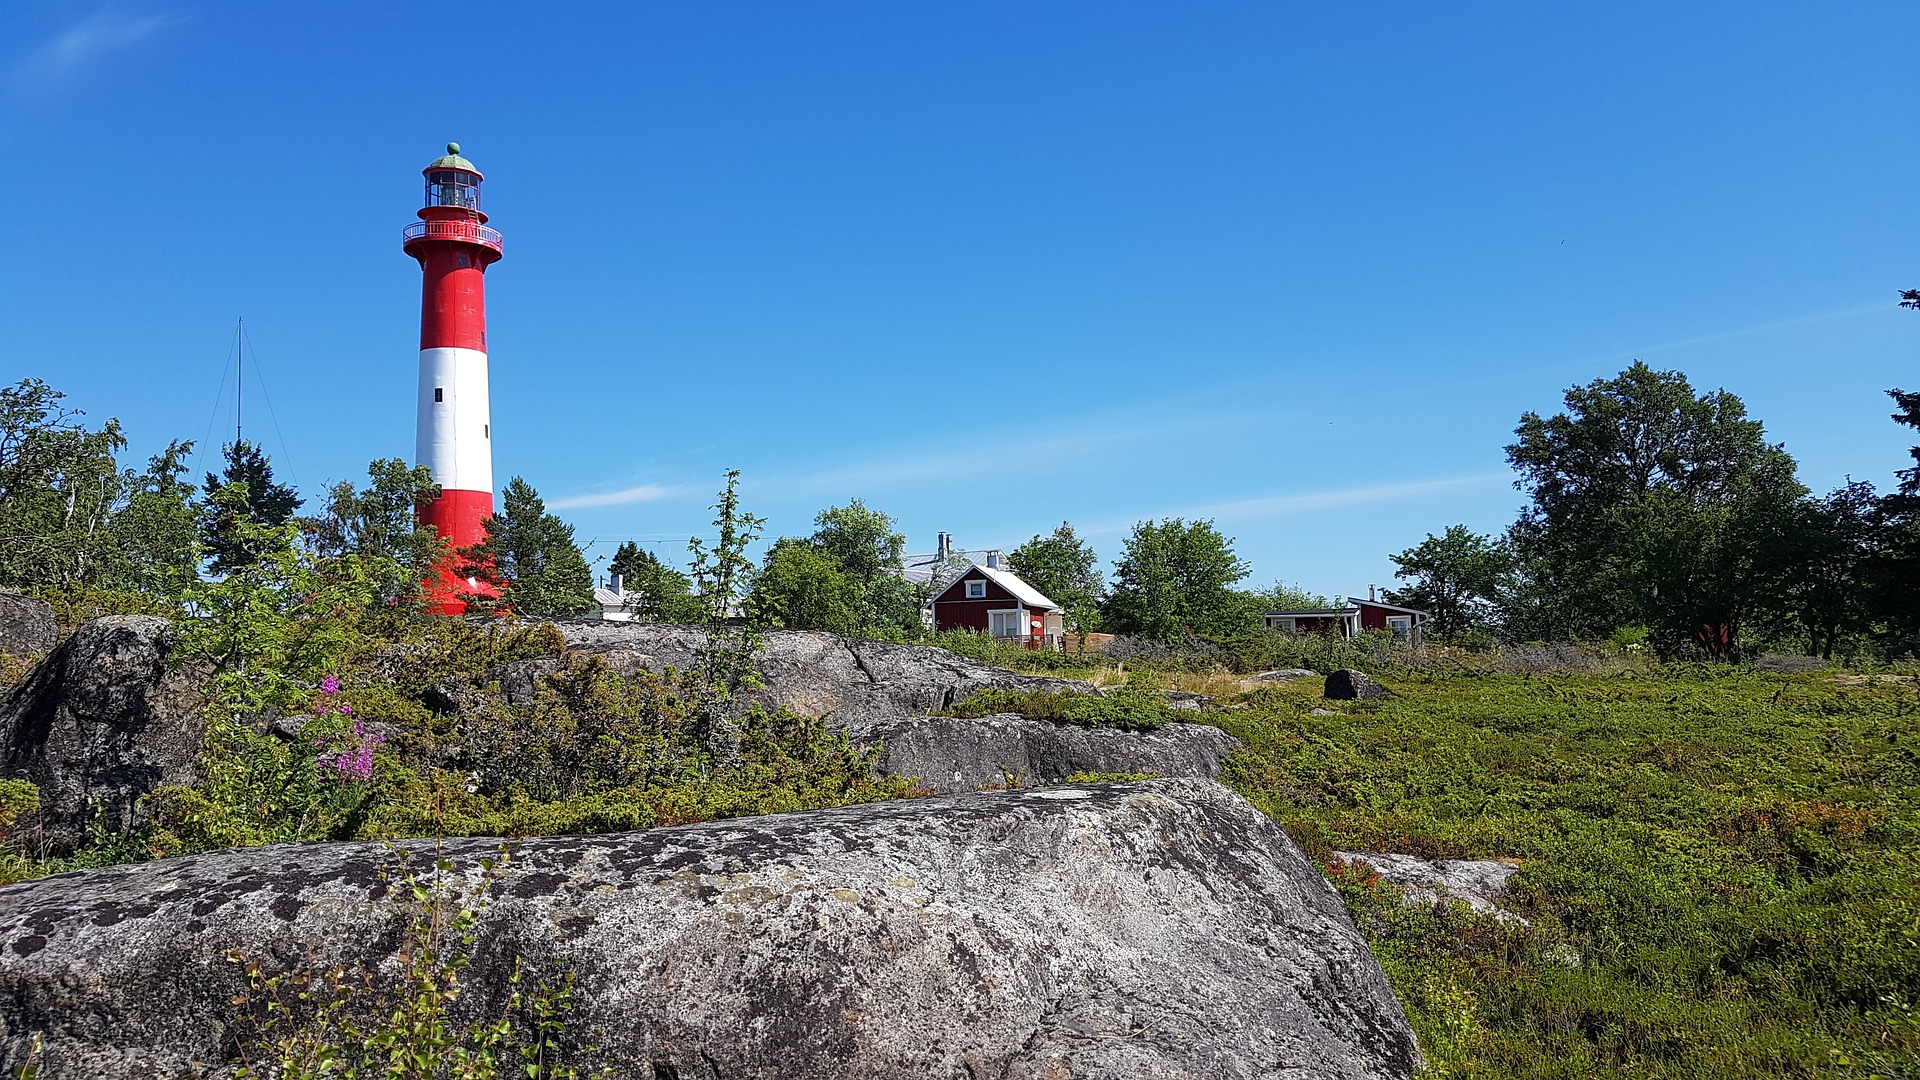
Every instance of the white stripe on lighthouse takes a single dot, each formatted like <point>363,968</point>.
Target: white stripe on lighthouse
<point>454,439</point>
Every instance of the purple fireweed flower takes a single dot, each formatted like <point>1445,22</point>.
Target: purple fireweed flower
<point>330,685</point>
<point>354,764</point>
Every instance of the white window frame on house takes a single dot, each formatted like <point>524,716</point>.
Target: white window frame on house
<point>1401,625</point>
<point>1282,622</point>
<point>1017,616</point>
<point>976,589</point>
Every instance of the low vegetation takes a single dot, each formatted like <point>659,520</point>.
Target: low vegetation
<point>1125,709</point>
<point>1720,868</point>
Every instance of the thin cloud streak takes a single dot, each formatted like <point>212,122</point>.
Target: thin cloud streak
<point>64,56</point>
<point>623,497</point>
<point>958,462</point>
<point>1642,351</point>
<point>1282,505</point>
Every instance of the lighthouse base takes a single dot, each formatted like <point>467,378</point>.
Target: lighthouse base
<point>461,519</point>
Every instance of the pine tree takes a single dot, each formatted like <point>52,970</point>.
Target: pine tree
<point>654,591</point>
<point>530,556</point>
<point>243,494</point>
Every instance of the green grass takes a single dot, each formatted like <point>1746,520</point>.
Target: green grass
<point>1721,867</point>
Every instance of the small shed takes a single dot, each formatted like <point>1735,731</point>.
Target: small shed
<point>1356,617</point>
<point>993,600</point>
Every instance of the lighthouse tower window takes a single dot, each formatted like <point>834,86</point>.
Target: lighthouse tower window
<point>436,394</point>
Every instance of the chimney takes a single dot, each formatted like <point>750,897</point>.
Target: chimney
<point>1373,592</point>
<point>946,546</point>
<point>613,581</point>
<point>993,560</point>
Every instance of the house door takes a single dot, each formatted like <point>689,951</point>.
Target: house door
<point>1007,623</point>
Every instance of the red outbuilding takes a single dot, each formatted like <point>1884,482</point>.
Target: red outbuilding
<point>1358,616</point>
<point>993,600</point>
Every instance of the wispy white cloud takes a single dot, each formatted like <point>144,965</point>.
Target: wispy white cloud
<point>641,493</point>
<point>1269,506</point>
<point>997,453</point>
<point>68,53</point>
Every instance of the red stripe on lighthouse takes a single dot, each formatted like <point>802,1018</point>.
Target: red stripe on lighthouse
<point>453,299</point>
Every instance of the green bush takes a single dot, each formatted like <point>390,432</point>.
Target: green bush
<point>1128,709</point>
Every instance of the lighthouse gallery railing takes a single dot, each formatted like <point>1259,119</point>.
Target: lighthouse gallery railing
<point>467,231</point>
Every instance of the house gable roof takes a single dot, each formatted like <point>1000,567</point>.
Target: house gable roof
<point>1384,606</point>
<point>1009,581</point>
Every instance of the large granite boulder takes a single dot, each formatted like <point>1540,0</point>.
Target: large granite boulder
<point>27,626</point>
<point>818,673</point>
<point>952,754</point>
<point>1154,929</point>
<point>100,722</point>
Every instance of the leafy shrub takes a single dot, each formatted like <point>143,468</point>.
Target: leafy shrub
<point>1125,709</point>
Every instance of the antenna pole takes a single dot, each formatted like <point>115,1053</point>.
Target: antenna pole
<point>240,375</point>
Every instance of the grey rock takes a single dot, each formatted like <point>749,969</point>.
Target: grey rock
<point>1322,712</point>
<point>1478,883</point>
<point>27,626</point>
<point>1187,701</point>
<point>1349,685</point>
<point>101,722</point>
<point>1284,675</point>
<point>819,673</point>
<point>949,754</point>
<point>1155,929</point>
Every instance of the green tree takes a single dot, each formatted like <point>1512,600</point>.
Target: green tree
<point>1650,505</point>
<point>380,524</point>
<point>59,486</point>
<point>1458,578</point>
<point>1825,591</point>
<point>1897,519</point>
<point>1064,567</point>
<point>654,591</point>
<point>1908,415</point>
<point>1177,578</point>
<point>722,574</point>
<point>530,556</point>
<point>1281,596</point>
<point>866,549</point>
<point>801,587</point>
<point>157,527</point>
<point>226,524</point>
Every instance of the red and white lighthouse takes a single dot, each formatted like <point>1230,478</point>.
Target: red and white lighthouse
<point>455,442</point>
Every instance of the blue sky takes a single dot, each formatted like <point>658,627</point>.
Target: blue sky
<point>986,266</point>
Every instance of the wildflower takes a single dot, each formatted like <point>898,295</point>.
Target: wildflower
<point>356,763</point>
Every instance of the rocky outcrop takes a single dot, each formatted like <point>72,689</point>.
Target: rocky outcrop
<point>819,673</point>
<point>1478,883</point>
<point>949,754</point>
<point>1283,675</point>
<point>1155,929</point>
<point>1347,685</point>
<point>99,723</point>
<point>27,626</point>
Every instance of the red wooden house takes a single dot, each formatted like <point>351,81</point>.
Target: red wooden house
<point>993,600</point>
<point>1358,616</point>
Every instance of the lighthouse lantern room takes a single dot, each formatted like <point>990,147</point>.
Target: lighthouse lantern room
<point>454,247</point>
